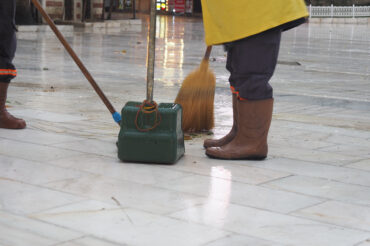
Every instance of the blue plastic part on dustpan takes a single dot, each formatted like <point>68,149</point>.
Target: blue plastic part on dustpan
<point>117,117</point>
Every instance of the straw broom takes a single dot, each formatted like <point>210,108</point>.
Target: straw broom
<point>196,96</point>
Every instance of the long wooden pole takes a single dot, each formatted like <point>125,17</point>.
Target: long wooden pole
<point>151,52</point>
<point>79,63</point>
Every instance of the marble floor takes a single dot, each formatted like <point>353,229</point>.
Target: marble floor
<point>61,183</point>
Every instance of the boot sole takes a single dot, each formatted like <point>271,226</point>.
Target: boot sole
<point>250,158</point>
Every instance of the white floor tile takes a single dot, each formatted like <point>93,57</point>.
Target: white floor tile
<point>47,116</point>
<point>270,226</point>
<point>365,243</point>
<point>114,168</point>
<point>237,240</point>
<point>129,226</point>
<point>33,152</point>
<point>363,165</point>
<point>92,146</point>
<point>33,172</point>
<point>21,198</point>
<point>324,188</point>
<point>89,241</point>
<point>14,237</point>
<point>356,141</point>
<point>312,155</point>
<point>359,151</point>
<point>128,194</point>
<point>217,189</point>
<point>311,169</point>
<point>19,230</point>
<point>235,171</point>
<point>339,213</point>
<point>37,136</point>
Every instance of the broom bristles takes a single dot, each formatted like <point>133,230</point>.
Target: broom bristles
<point>196,96</point>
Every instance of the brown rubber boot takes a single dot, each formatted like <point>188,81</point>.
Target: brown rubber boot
<point>250,142</point>
<point>7,120</point>
<point>226,139</point>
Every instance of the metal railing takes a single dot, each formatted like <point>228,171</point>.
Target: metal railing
<point>339,11</point>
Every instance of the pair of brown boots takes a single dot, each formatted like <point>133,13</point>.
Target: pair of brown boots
<point>247,139</point>
<point>7,120</point>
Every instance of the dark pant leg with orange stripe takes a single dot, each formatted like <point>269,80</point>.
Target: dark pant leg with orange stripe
<point>251,62</point>
<point>8,41</point>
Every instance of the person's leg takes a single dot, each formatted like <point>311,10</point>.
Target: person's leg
<point>228,137</point>
<point>7,120</point>
<point>253,65</point>
<point>8,45</point>
<point>250,142</point>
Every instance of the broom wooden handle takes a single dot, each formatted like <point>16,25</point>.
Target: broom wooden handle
<point>208,53</point>
<point>77,61</point>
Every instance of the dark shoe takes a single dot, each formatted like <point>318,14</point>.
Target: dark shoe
<point>226,139</point>
<point>250,142</point>
<point>7,120</point>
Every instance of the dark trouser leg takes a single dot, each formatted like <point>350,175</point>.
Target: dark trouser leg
<point>252,64</point>
<point>8,45</point>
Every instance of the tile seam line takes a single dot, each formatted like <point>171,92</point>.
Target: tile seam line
<point>43,145</point>
<point>312,124</point>
<point>359,243</point>
<point>258,186</point>
<point>46,183</point>
<point>310,206</point>
<point>315,196</point>
<point>186,193</point>
<point>321,178</point>
<point>58,206</point>
<point>181,209</point>
<point>168,214</point>
<point>228,231</point>
<point>14,227</point>
<point>131,208</point>
<point>330,164</point>
<point>47,162</point>
<point>351,163</point>
<point>340,151</point>
<point>39,221</point>
<point>328,223</point>
<point>79,151</point>
<point>316,223</point>
<point>319,163</point>
<point>70,240</point>
<point>44,162</point>
<point>274,180</point>
<point>239,234</point>
<point>48,188</point>
<point>237,181</point>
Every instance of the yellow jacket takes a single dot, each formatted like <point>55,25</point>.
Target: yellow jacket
<point>230,20</point>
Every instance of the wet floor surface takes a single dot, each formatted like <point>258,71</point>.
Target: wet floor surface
<point>61,182</point>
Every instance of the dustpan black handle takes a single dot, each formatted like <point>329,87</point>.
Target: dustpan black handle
<point>151,53</point>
